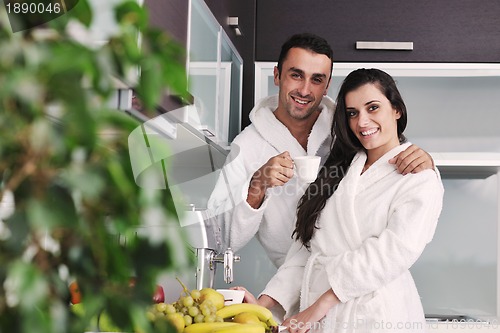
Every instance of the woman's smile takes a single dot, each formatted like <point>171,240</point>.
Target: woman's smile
<point>370,132</point>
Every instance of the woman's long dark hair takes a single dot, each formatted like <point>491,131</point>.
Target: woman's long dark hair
<point>343,149</point>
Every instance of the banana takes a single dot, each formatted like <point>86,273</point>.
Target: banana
<point>232,310</point>
<point>208,327</point>
<point>272,322</point>
<point>243,328</point>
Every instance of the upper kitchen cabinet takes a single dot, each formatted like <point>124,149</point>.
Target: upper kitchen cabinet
<point>215,76</point>
<point>427,30</point>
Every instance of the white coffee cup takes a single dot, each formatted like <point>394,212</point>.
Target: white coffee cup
<point>232,296</point>
<point>307,167</point>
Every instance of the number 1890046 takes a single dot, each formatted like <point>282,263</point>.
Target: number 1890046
<point>33,8</point>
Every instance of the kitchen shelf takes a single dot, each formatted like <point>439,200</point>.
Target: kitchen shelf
<point>264,71</point>
<point>467,164</point>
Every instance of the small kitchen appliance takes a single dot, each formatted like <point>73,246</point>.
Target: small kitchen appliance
<point>204,236</point>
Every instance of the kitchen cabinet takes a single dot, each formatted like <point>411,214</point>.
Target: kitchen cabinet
<point>441,31</point>
<point>215,75</point>
<point>452,113</point>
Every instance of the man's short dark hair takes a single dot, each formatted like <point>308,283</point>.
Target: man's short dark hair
<point>305,41</point>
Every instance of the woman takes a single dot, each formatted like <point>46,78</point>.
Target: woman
<point>361,225</point>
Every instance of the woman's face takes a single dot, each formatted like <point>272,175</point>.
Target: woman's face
<point>372,119</point>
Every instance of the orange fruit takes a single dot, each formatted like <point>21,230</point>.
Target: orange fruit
<point>74,290</point>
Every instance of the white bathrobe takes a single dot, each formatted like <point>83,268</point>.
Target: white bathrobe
<point>371,231</point>
<point>273,222</point>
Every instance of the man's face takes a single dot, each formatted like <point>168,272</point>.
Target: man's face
<point>304,80</point>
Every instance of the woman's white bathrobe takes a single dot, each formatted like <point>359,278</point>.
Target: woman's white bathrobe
<point>371,231</point>
<point>273,221</point>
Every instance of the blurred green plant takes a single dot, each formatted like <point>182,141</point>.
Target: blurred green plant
<point>65,160</point>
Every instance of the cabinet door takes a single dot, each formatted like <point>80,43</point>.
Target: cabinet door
<point>215,68</point>
<point>441,31</point>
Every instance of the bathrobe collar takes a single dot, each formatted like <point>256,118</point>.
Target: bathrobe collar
<point>379,169</point>
<point>274,132</point>
<point>353,183</point>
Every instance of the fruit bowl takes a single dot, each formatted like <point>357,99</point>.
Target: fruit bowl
<point>232,296</point>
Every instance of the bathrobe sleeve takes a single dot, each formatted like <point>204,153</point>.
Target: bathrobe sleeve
<point>413,216</point>
<point>238,221</point>
<point>284,287</point>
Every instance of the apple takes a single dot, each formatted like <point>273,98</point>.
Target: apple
<point>159,295</point>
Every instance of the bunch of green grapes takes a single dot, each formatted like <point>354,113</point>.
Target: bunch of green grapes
<point>189,307</point>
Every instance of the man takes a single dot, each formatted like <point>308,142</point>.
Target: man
<point>257,193</point>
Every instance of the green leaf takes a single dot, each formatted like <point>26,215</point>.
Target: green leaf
<point>55,209</point>
<point>120,179</point>
<point>150,81</point>
<point>115,119</point>
<point>43,136</point>
<point>82,12</point>
<point>53,100</point>
<point>171,56</point>
<point>79,126</point>
<point>131,47</point>
<point>27,285</point>
<point>85,182</point>
<point>130,13</point>
<point>19,228</point>
<point>175,77</point>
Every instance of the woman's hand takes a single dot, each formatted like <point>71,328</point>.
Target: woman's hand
<point>310,317</point>
<point>249,297</point>
<point>264,300</point>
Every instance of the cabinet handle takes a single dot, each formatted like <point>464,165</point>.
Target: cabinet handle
<point>405,46</point>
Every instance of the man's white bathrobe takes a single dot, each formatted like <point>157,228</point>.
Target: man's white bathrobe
<point>369,234</point>
<point>273,222</point>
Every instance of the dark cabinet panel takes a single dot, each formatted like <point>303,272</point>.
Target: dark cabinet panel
<point>441,31</point>
<point>170,16</point>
